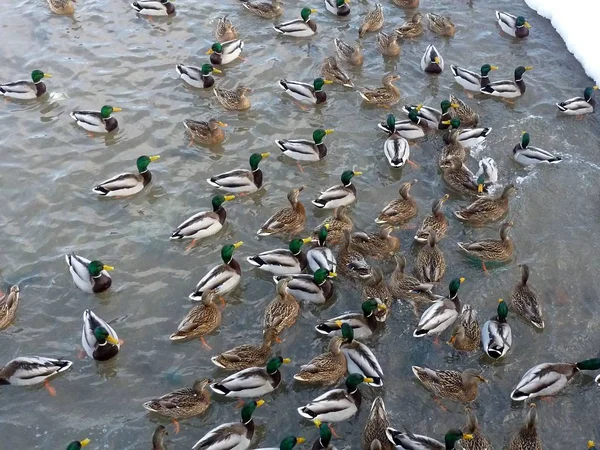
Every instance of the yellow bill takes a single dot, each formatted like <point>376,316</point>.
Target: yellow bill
<point>327,81</point>
<point>85,442</point>
<point>314,10</point>
<point>287,360</point>
<point>265,155</point>
<point>357,173</point>
<point>300,440</point>
<point>215,70</point>
<point>112,340</point>
<point>222,124</point>
<point>307,240</point>
<point>229,197</point>
<point>260,402</point>
<point>154,158</point>
<point>332,274</point>
<point>107,268</point>
<point>331,130</point>
<point>238,244</point>
<point>494,67</point>
<point>529,68</point>
<point>47,75</point>
<point>116,109</point>
<point>210,51</point>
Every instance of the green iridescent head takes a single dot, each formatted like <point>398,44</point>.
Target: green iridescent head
<point>275,363</point>
<point>455,122</point>
<point>320,276</point>
<point>589,364</point>
<point>486,68</point>
<point>347,332</point>
<point>355,379</point>
<point>370,306</point>
<point>519,71</point>
<point>207,68</point>
<point>256,158</point>
<point>216,48</point>
<point>102,336</point>
<point>295,245</point>
<point>218,200</point>
<point>318,83</point>
<point>341,3</point>
<point>453,436</point>
<point>588,92</point>
<point>144,161</point>
<point>322,237</point>
<point>76,445</point>
<point>502,310</point>
<point>289,442</point>
<point>96,267</point>
<point>107,110</point>
<point>38,75</point>
<point>249,408</point>
<point>319,135</point>
<point>455,286</point>
<point>325,434</point>
<point>521,22</point>
<point>445,105</point>
<point>391,122</point>
<point>413,115</point>
<point>228,250</point>
<point>347,176</point>
<point>524,139</point>
<point>305,13</point>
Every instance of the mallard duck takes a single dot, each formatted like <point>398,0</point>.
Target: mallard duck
<point>362,323</point>
<point>442,313</point>
<point>330,70</point>
<point>432,61</point>
<point>381,245</point>
<point>326,368</point>
<point>126,184</point>
<point>98,338</point>
<point>154,7</point>
<point>282,261</point>
<point>303,149</point>
<point>401,210</point>
<point>252,382</point>
<point>9,303</point>
<point>224,30</point>
<point>205,223</point>
<point>496,335</point>
<point>479,441</point>
<point>198,77</point>
<point>241,180</point>
<point>325,435</point>
<point>288,443</point>
<point>158,438</point>
<point>32,370</point>
<point>315,288</point>
<point>489,170</point>
<point>222,53</point>
<point>321,256</point>
<point>431,264</point>
<point>513,25</point>
<point>405,4</point>
<point>432,116</point>
<point>235,435</point>
<point>340,194</point>
<point>387,44</point>
<point>351,262</point>
<point>412,28</point>
<point>466,336</point>
<point>97,121</point>
<point>336,225</point>
<point>549,379</point>
<point>453,149</point>
<point>302,27</point>
<point>472,81</point>
<point>89,276</point>
<point>527,155</point>
<point>223,278</point>
<point>441,25</point>
<point>338,404</point>
<point>375,426</point>
<point>387,95</point>
<point>413,128</point>
<point>487,209</point>
<point>395,147</point>
<point>408,440</point>
<point>491,249</point>
<point>360,358</point>
<point>77,445</point>
<point>449,384</point>
<point>507,88</point>
<point>245,356</point>
<point>404,286</point>
<point>527,437</point>
<point>578,106</point>
<point>283,310</point>
<point>209,133</point>
<point>287,220</point>
<point>468,117</point>
<point>469,137</point>
<point>304,92</point>
<point>266,10</point>
<point>352,54</point>
<point>376,287</point>
<point>435,221</point>
<point>338,7</point>
<point>525,301</point>
<point>26,90</point>
<point>201,320</point>
<point>373,21</point>
<point>182,403</point>
<point>459,177</point>
<point>233,99</point>
<point>61,6</point>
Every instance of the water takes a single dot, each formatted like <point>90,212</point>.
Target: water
<point>105,54</point>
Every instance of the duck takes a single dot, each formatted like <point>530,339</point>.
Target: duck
<point>450,384</point>
<point>460,178</point>
<point>527,155</point>
<point>442,313</point>
<point>513,25</point>
<point>205,223</point>
<point>288,443</point>
<point>97,121</point>
<point>406,3</point>
<point>352,54</point>
<point>491,249</point>
<point>360,358</point>
<point>303,27</point>
<point>441,25</point>
<point>506,88</point>
<point>472,81</point>
<point>9,302</point>
<point>158,438</point>
<point>303,149</point>
<point>237,435</point>
<point>408,440</point>
<point>233,99</point>
<point>223,278</point>
<point>283,310</point>
<point>201,320</point>
<point>222,53</point>
<point>372,21</point>
<point>471,427</point>
<point>466,336</point>
<point>287,220</point>
<point>127,184</point>
<point>26,90</point>
<point>375,287</point>
<point>468,117</point>
<point>32,370</point>
<point>547,379</point>
<point>198,77</point>
<point>363,323</point>
<point>246,355</point>
<point>578,106</point>
<point>338,404</point>
<point>314,288</point>
<point>336,224</point>
<point>434,118</point>
<point>339,195</point>
<point>496,335</point>
<point>436,221</point>
<point>89,276</point>
<point>411,28</point>
<point>527,437</point>
<point>432,61</point>
<point>338,7</point>
<point>241,180</point>
<point>321,256</point>
<point>525,300</point>
<point>413,128</point>
<point>401,210</point>
<point>431,264</point>
<point>205,132</point>
<point>381,245</point>
<point>453,149</point>
<point>351,262</point>
<point>224,30</point>
<point>282,261</point>
<point>375,426</point>
<point>62,6</point>
<point>487,209</point>
<point>304,92</point>
<point>330,70</point>
<point>489,169</point>
<point>154,7</point>
<point>326,368</point>
<point>387,44</point>
<point>325,435</point>
<point>76,445</point>
<point>264,9</point>
<point>405,286</point>
<point>395,148</point>
<point>252,382</point>
<point>387,95</point>
<point>98,338</point>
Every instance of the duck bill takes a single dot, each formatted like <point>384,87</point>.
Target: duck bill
<point>287,360</point>
<point>86,441</point>
<point>210,51</point>
<point>222,124</point>
<point>494,67</point>
<point>527,25</point>
<point>265,155</point>
<point>238,244</point>
<point>47,75</point>
<point>112,340</point>
<point>154,158</point>
<point>115,109</point>
<point>307,240</point>
<point>529,68</point>
<point>479,188</point>
<point>215,70</point>
<point>259,403</point>
<point>107,268</point>
<point>331,130</point>
<point>327,81</point>
<point>357,173</point>
<point>229,197</point>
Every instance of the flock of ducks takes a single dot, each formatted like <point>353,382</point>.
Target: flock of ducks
<point>255,372</point>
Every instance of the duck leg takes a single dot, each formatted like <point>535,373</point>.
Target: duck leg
<point>204,343</point>
<point>412,163</point>
<point>335,435</point>
<point>49,388</point>
<point>191,245</point>
<point>176,425</point>
<point>483,267</point>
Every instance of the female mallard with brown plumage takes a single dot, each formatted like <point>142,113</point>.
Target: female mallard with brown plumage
<point>224,30</point>
<point>158,438</point>
<point>527,438</point>
<point>479,441</point>
<point>200,320</point>
<point>61,6</point>
<point>442,313</point>
<point>525,301</point>
<point>431,264</point>
<point>401,210</point>
<point>350,262</point>
<point>373,21</point>
<point>287,220</point>
<point>233,99</point>
<point>449,384</point>
<point>264,9</point>
<point>466,336</point>
<point>326,368</point>
<point>283,310</point>
<point>380,245</point>
<point>487,209</point>
<point>387,95</point>
<point>406,4</point>
<point>441,25</point>
<point>336,225</point>
<point>491,249</point>
<point>411,28</point>
<point>468,117</point>
<point>247,355</point>
<point>454,149</point>
<point>460,178</point>
<point>9,303</point>
<point>387,44</point>
<point>405,286</point>
<point>435,221</point>
<point>375,427</point>
<point>330,70</point>
<point>352,54</point>
<point>209,133</point>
